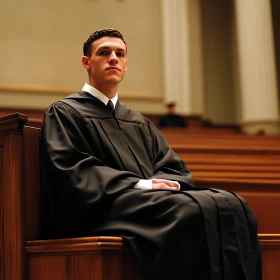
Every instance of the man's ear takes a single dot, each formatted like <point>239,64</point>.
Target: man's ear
<point>85,63</point>
<point>125,69</point>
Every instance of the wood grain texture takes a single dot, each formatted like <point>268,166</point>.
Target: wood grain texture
<point>98,257</point>
<point>12,224</point>
<point>75,245</point>
<point>112,263</point>
<point>46,268</point>
<point>12,123</point>
<point>270,244</point>
<point>2,260</point>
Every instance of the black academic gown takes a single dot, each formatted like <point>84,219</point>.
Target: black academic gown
<point>93,159</point>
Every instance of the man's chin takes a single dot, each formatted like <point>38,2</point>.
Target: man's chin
<point>114,80</point>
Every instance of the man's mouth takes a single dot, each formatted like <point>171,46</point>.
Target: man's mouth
<point>113,68</point>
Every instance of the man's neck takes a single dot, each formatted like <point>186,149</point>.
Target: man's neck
<point>108,91</point>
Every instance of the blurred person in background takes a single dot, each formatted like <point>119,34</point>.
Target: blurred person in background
<point>171,118</point>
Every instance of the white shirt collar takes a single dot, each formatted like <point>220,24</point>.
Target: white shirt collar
<point>99,95</point>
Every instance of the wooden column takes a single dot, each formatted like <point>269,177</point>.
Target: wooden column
<point>258,82</point>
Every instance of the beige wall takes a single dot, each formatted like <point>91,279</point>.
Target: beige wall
<point>41,47</point>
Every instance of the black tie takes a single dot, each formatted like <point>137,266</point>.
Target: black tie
<point>110,106</point>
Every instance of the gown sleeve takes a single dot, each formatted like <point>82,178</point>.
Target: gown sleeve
<point>77,184</point>
<point>167,164</point>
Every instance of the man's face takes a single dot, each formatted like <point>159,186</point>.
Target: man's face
<point>107,64</point>
<point>171,109</point>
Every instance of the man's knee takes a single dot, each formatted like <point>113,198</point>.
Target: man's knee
<point>188,212</point>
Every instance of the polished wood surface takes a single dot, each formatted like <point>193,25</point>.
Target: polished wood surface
<point>270,245</point>
<point>227,156</point>
<point>2,260</point>
<point>107,266</point>
<point>102,257</point>
<point>11,202</point>
<point>75,245</point>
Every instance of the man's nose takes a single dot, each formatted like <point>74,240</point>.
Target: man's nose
<point>113,58</point>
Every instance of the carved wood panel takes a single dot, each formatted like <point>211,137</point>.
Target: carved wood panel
<point>84,266</point>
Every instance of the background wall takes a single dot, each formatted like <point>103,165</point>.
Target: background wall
<point>217,36</point>
<point>41,49</point>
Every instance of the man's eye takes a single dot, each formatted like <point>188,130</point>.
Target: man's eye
<point>103,53</point>
<point>120,54</point>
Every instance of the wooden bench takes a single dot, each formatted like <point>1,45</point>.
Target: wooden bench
<point>184,136</point>
<point>23,256</point>
<point>218,161</point>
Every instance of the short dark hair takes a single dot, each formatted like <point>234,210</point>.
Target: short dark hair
<point>170,104</point>
<point>108,32</point>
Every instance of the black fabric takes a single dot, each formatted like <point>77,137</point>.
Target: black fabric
<point>93,159</point>
<point>172,120</point>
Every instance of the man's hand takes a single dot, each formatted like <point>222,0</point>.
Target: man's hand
<point>164,184</point>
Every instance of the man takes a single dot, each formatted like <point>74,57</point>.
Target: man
<point>172,119</point>
<point>108,171</point>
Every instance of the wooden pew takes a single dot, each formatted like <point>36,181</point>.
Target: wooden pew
<point>227,156</point>
<point>231,161</point>
<point>23,256</point>
<point>92,257</point>
<point>247,165</point>
<point>184,136</point>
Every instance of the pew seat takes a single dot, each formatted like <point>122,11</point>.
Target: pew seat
<point>97,257</point>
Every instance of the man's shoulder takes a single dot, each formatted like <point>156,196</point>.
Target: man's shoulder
<point>127,114</point>
<point>71,98</point>
<point>78,96</point>
<point>79,102</point>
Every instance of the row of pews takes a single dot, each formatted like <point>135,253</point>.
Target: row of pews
<point>218,158</point>
<point>248,165</point>
<point>222,155</point>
